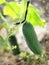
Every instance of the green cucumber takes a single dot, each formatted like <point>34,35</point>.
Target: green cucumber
<point>13,41</point>
<point>31,38</point>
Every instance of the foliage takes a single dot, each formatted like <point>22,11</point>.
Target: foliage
<point>12,8</point>
<point>4,44</point>
<point>2,1</point>
<point>33,16</point>
<point>18,12</point>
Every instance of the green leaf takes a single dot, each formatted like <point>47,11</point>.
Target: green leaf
<point>17,11</point>
<point>33,17</point>
<point>1,26</point>
<point>2,1</point>
<point>22,9</point>
<point>12,9</point>
<point>4,45</point>
<point>2,42</point>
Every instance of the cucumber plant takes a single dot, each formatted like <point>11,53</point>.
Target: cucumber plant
<point>21,13</point>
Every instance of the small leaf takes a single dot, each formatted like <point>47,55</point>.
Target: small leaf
<point>33,17</point>
<point>2,42</point>
<point>12,9</point>
<point>2,1</point>
<point>1,26</point>
<point>22,9</point>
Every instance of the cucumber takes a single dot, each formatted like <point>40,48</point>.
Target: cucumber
<point>31,38</point>
<point>13,41</point>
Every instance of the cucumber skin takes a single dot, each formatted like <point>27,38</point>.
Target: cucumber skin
<point>13,41</point>
<point>31,38</point>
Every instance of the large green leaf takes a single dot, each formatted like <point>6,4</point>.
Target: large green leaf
<point>2,1</point>
<point>33,14</point>
<point>12,9</point>
<point>17,11</point>
<point>33,17</point>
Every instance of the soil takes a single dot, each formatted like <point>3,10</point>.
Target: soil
<point>7,58</point>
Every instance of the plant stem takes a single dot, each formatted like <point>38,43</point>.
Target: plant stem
<point>5,25</point>
<point>3,17</point>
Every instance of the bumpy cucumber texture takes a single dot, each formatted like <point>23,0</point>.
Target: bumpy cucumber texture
<point>31,38</point>
<point>13,42</point>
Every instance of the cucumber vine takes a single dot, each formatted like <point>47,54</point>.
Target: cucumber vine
<point>13,11</point>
